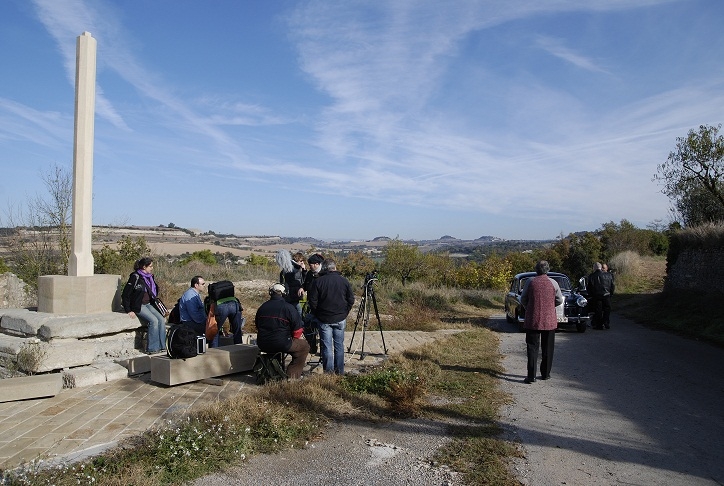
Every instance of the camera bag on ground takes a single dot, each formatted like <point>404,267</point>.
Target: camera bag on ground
<point>181,342</point>
<point>221,290</point>
<point>269,367</point>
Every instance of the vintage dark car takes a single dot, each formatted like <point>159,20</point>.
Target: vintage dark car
<point>571,314</point>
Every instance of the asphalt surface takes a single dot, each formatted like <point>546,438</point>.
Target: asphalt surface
<point>627,406</point>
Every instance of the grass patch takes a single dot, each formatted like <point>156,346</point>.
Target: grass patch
<point>640,297</point>
<point>467,382</point>
<point>688,314</point>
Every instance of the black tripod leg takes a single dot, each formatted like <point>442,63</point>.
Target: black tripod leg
<point>360,313</point>
<point>365,323</point>
<point>379,322</point>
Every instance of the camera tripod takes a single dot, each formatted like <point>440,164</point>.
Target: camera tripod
<point>363,314</point>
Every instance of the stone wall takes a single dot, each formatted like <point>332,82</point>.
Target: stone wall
<point>697,270</point>
<point>14,293</point>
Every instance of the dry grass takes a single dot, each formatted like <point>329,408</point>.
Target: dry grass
<point>707,236</point>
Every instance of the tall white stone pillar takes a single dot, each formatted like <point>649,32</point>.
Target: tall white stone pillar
<point>81,292</point>
<point>81,258</point>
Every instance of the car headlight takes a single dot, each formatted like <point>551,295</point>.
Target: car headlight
<point>581,301</point>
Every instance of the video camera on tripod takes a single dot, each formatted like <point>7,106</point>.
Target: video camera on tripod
<point>370,279</point>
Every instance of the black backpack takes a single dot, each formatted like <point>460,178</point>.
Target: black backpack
<point>174,316</point>
<point>221,290</point>
<point>181,342</point>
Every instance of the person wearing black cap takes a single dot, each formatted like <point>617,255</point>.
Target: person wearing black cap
<point>310,329</point>
<point>315,265</point>
<point>279,329</point>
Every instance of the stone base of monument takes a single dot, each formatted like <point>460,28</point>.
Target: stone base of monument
<point>62,294</point>
<point>224,360</point>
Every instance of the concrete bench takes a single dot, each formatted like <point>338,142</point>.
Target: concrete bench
<point>224,360</point>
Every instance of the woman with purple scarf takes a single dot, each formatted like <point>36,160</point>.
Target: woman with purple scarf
<point>137,294</point>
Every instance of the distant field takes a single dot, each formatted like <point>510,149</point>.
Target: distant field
<point>163,248</point>
<point>174,241</point>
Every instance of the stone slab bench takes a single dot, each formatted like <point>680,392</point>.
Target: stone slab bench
<point>224,360</point>
<point>28,387</point>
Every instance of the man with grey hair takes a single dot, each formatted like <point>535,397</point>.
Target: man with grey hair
<point>541,294</point>
<point>330,300</point>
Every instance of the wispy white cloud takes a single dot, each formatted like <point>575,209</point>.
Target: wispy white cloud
<point>26,124</point>
<point>383,76</point>
<point>556,48</point>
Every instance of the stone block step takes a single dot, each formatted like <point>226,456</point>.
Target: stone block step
<point>27,387</point>
<point>224,360</point>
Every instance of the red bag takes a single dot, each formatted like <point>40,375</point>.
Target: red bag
<point>212,328</point>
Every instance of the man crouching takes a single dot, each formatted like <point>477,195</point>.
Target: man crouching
<point>279,329</point>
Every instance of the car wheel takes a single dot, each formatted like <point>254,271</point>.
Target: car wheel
<point>508,319</point>
<point>581,326</point>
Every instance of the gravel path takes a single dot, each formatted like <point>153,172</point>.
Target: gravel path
<point>626,406</point>
<point>352,454</point>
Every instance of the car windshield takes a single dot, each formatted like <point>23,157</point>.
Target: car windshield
<point>562,281</point>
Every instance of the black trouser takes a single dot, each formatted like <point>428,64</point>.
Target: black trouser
<point>594,305</point>
<point>546,340</point>
<point>606,311</point>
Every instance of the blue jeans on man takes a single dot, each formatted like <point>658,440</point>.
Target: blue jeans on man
<point>156,328</point>
<point>231,310</point>
<point>331,344</point>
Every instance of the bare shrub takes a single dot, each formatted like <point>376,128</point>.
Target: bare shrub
<point>626,263</point>
<point>31,356</point>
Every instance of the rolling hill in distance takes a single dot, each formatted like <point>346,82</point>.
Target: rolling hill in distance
<point>173,241</point>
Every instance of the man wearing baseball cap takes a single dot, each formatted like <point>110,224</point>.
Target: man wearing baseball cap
<point>279,329</point>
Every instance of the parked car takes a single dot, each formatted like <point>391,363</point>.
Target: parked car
<point>572,313</point>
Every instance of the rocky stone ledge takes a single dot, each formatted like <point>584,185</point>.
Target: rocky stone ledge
<point>38,342</point>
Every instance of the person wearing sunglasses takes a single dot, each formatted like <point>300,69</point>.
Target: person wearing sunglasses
<point>191,306</point>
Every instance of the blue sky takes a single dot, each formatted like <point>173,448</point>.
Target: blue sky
<point>357,119</point>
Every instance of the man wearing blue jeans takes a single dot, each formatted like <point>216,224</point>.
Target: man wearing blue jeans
<point>330,300</point>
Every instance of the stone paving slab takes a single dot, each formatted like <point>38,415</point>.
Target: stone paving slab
<point>83,421</point>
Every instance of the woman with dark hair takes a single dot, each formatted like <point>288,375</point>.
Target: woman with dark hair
<point>140,289</point>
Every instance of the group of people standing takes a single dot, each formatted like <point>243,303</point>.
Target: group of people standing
<point>540,296</point>
<point>303,303</point>
<point>600,286</point>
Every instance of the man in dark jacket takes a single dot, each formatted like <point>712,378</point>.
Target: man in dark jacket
<point>600,288</point>
<point>330,300</point>
<point>279,329</point>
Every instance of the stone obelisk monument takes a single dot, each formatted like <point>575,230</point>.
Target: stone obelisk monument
<point>81,258</point>
<point>81,292</point>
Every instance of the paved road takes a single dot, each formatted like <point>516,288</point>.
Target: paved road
<point>626,406</point>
